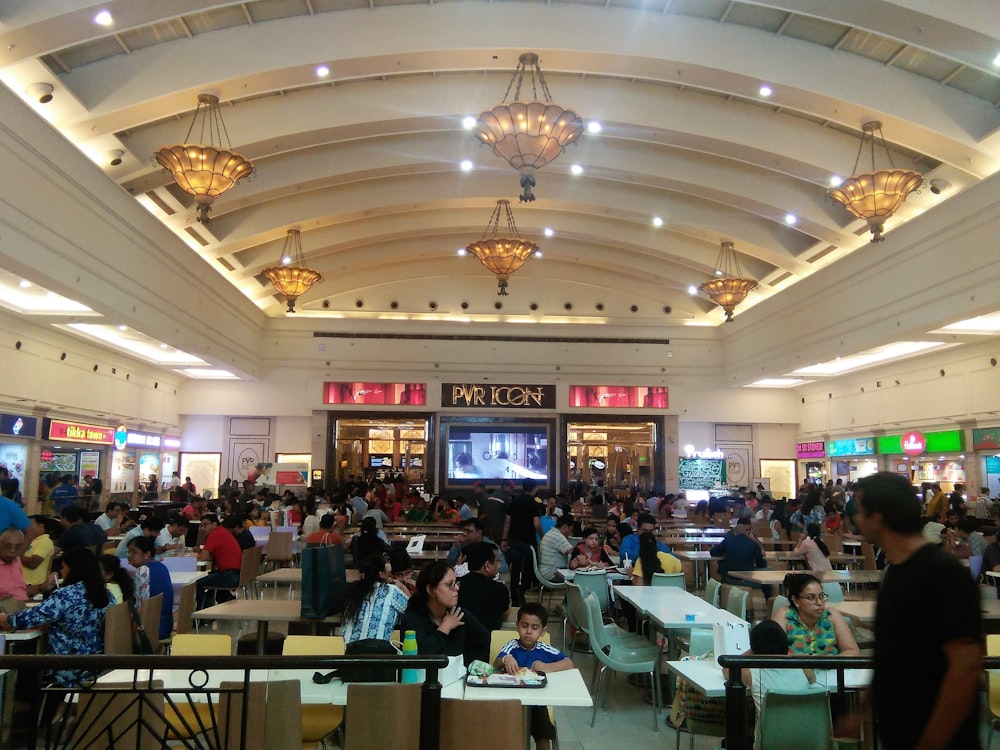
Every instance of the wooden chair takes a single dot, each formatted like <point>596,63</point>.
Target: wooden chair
<point>184,621</point>
<point>118,630</point>
<point>185,720</point>
<point>249,570</point>
<point>368,728</point>
<point>273,728</point>
<point>318,721</point>
<point>499,728</point>
<point>280,549</point>
<point>149,614</point>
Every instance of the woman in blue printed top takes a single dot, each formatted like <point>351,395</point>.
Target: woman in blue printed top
<point>527,651</point>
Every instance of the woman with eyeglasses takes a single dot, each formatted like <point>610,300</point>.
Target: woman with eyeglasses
<point>812,629</point>
<point>442,627</point>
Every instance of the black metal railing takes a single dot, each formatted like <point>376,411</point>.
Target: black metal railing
<point>143,713</point>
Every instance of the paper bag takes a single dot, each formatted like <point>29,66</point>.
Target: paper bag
<point>731,637</point>
<point>324,581</point>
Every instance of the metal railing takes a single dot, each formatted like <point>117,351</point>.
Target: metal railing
<point>145,713</point>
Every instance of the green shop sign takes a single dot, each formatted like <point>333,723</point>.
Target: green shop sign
<point>948,441</point>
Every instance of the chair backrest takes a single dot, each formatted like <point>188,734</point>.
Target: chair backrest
<point>868,552</point>
<point>599,639</point>
<point>595,582</point>
<point>834,543</point>
<point>280,546</point>
<point>277,727</point>
<point>260,534</point>
<point>975,566</point>
<point>184,619</point>
<point>183,564</point>
<point>202,644</point>
<point>499,728</point>
<point>833,591</point>
<point>294,530</point>
<point>675,580</point>
<point>702,641</point>
<point>10,604</point>
<point>761,528</point>
<point>784,714</point>
<point>777,602</point>
<point>575,610</point>
<point>369,729</point>
<point>993,649</point>
<point>118,630</point>
<point>712,588</point>
<point>500,638</point>
<point>737,603</point>
<point>250,566</point>
<point>318,645</point>
<point>149,613</point>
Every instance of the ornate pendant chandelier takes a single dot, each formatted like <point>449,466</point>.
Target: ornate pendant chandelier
<point>730,287</point>
<point>876,195</point>
<point>502,253</point>
<point>528,135</point>
<point>205,170</point>
<point>290,277</point>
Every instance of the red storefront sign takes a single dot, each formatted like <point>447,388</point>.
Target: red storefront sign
<point>81,433</point>
<point>914,443</point>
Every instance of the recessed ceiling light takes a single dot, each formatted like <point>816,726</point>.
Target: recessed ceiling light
<point>322,71</point>
<point>466,165</point>
<point>122,328</point>
<point>538,253</point>
<point>790,219</point>
<point>469,122</point>
<point>895,350</point>
<point>692,289</point>
<point>593,127</point>
<point>103,18</point>
<point>657,221</point>
<point>836,181</point>
<point>576,169</point>
<point>765,91</point>
<point>777,383</point>
<point>24,283</point>
<point>286,260</point>
<point>548,231</point>
<point>462,251</point>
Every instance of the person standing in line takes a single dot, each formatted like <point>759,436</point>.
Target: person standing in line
<point>928,628</point>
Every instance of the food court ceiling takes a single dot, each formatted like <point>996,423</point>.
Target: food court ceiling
<point>366,160</point>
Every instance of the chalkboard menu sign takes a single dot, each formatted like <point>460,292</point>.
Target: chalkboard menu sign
<point>701,473</point>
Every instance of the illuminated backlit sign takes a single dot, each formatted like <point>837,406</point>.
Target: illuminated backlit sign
<point>172,443</point>
<point>18,426</point>
<point>144,439</point>
<point>620,396</point>
<point>480,396</point>
<point>74,432</point>
<point>810,450</point>
<point>946,441</point>
<point>851,447</point>
<point>387,394</point>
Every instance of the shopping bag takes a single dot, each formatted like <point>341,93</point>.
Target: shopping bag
<point>324,581</point>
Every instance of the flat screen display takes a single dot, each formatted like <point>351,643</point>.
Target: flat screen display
<point>378,462</point>
<point>495,452</point>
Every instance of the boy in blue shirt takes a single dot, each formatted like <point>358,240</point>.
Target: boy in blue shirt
<point>527,651</point>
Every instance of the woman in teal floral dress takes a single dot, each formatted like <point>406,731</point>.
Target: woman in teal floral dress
<point>813,630</point>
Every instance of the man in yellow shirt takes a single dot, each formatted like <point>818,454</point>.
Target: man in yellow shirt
<point>938,504</point>
<point>36,560</point>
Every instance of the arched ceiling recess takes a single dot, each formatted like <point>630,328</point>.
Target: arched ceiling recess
<point>365,161</point>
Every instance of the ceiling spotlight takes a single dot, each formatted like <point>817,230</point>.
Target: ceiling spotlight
<point>836,181</point>
<point>115,157</point>
<point>122,328</point>
<point>593,127</point>
<point>24,283</point>
<point>462,251</point>
<point>938,186</point>
<point>466,165</point>
<point>718,272</point>
<point>286,260</point>
<point>104,18</point>
<point>692,289</point>
<point>548,231</point>
<point>657,221</point>
<point>468,122</point>
<point>790,219</point>
<point>40,92</point>
<point>576,169</point>
<point>322,71</point>
<point>538,253</point>
<point>765,91</point>
<point>163,346</point>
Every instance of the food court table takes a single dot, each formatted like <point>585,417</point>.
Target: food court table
<point>827,576</point>
<point>261,610</point>
<point>707,676</point>
<point>696,558</point>
<point>614,574</point>
<point>864,612</point>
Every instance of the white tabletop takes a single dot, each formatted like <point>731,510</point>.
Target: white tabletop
<point>707,677</point>
<point>563,689</point>
<point>860,611</point>
<point>183,577</point>
<point>670,607</point>
<point>778,576</point>
<point>613,574</point>
<point>265,610</point>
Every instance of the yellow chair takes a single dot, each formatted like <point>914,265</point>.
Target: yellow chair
<point>318,721</point>
<point>499,639</point>
<point>185,720</point>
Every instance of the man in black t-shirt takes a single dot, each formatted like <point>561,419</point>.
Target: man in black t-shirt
<point>519,536</point>
<point>928,629</point>
<point>478,593</point>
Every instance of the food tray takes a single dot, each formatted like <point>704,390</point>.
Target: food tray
<point>500,680</point>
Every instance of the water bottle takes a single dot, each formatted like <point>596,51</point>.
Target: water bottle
<point>410,649</point>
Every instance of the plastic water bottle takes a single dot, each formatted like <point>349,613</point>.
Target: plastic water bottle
<point>410,649</point>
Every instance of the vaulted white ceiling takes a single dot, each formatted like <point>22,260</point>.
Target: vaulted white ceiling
<point>366,160</point>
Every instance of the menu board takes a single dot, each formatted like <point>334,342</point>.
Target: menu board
<point>13,457</point>
<point>701,473</point>
<point>123,471</point>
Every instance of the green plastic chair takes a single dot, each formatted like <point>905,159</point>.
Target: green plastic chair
<point>547,585</point>
<point>576,610</point>
<point>779,602</point>
<point>712,590</point>
<point>834,591</point>
<point>676,580</point>
<point>785,714</point>
<point>617,657</point>
<point>737,602</point>
<point>596,583</point>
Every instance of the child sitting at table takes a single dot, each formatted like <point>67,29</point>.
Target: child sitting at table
<point>528,651</point>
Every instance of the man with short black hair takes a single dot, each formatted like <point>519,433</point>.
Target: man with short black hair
<point>523,522</point>
<point>629,547</point>
<point>65,494</point>
<point>928,627</point>
<point>172,538</point>
<point>555,548</point>
<point>479,593</point>
<point>78,533</point>
<point>234,524</point>
<point>742,553</point>
<point>223,551</point>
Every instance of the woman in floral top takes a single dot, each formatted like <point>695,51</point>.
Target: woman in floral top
<point>812,629</point>
<point>73,613</point>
